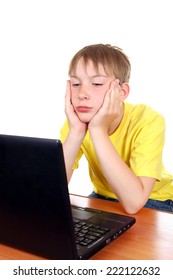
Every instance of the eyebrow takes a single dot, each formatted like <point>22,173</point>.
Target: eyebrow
<point>93,76</point>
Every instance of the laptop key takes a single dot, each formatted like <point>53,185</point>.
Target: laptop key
<point>87,233</point>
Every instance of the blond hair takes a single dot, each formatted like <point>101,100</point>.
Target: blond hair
<point>110,57</point>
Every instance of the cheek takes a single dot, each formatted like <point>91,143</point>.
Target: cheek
<point>73,96</point>
<point>99,99</point>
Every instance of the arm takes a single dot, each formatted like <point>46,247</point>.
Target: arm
<point>132,191</point>
<point>75,136</point>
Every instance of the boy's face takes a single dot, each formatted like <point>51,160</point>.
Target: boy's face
<point>88,88</point>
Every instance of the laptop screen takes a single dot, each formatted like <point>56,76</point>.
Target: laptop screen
<point>34,200</point>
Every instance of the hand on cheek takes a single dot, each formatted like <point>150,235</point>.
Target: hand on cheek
<point>110,109</point>
<point>73,120</point>
<point>113,98</point>
<point>116,90</point>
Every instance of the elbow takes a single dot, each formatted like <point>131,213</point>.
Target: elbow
<point>132,211</point>
<point>133,208</point>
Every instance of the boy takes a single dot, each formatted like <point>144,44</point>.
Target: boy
<point>122,142</point>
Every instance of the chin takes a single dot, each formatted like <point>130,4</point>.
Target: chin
<point>84,119</point>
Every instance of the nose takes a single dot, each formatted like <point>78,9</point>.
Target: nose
<point>83,93</point>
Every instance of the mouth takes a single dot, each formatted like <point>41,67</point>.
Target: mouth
<point>83,109</point>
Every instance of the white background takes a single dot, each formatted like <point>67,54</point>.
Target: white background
<point>38,40</point>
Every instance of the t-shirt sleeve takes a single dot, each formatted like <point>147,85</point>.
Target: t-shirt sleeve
<point>146,154</point>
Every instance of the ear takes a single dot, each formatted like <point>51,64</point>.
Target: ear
<point>125,89</point>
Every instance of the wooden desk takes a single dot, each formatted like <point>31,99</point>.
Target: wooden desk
<point>151,238</point>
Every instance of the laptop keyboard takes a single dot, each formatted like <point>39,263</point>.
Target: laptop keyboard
<point>88,233</point>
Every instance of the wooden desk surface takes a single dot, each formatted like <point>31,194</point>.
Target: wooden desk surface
<point>151,238</point>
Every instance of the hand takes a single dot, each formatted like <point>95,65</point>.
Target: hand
<point>73,119</point>
<point>110,111</point>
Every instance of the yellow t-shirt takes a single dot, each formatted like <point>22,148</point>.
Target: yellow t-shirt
<point>139,141</point>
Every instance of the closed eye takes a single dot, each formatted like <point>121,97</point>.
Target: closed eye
<point>75,85</point>
<point>97,84</point>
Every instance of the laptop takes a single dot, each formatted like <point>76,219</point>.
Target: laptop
<point>35,211</point>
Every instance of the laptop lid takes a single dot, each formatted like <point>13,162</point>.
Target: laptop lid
<point>35,211</point>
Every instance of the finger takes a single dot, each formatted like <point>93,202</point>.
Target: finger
<point>116,91</point>
<point>115,87</point>
<point>68,93</point>
<point>107,98</point>
<point>110,95</point>
<point>67,88</point>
